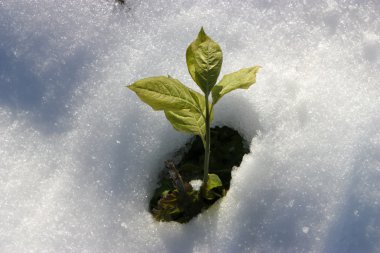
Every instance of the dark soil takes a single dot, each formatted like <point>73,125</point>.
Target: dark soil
<point>227,151</point>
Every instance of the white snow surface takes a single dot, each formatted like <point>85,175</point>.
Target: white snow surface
<point>80,154</point>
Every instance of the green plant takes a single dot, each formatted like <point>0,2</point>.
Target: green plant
<point>189,111</point>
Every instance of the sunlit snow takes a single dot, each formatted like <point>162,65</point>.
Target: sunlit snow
<point>80,154</point>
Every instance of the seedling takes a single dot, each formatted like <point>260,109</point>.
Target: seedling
<point>187,110</point>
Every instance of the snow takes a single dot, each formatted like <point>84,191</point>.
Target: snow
<point>80,154</point>
<point>196,184</point>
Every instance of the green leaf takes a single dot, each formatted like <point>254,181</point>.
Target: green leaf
<point>213,182</point>
<point>241,79</point>
<point>166,93</point>
<point>204,60</point>
<point>183,107</point>
<point>187,121</point>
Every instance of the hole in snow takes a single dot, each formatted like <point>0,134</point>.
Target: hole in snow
<point>227,151</point>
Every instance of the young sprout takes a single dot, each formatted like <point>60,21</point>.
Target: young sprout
<point>187,110</point>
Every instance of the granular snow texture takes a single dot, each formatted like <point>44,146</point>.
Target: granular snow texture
<point>80,154</point>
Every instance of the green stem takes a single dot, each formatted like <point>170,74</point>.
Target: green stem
<point>207,146</point>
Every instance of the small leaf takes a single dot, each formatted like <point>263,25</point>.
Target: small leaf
<point>241,79</point>
<point>165,93</point>
<point>168,206</point>
<point>213,182</point>
<point>204,60</point>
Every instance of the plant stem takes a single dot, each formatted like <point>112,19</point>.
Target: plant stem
<point>207,146</point>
